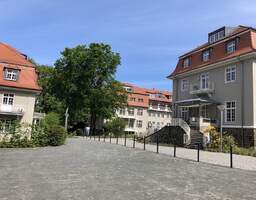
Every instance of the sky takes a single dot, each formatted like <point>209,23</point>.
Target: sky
<point>150,35</point>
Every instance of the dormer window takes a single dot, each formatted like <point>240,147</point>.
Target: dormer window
<point>216,35</point>
<point>11,74</point>
<point>206,55</point>
<point>186,62</point>
<point>231,46</point>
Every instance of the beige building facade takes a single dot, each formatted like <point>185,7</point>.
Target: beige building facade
<point>148,110</point>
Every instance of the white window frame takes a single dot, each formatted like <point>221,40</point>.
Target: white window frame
<point>8,96</point>
<point>140,112</point>
<point>186,62</point>
<point>4,127</point>
<point>230,70</point>
<point>184,85</point>
<point>11,74</point>
<point>131,111</point>
<point>206,55</point>
<point>122,111</point>
<point>231,46</point>
<point>204,81</point>
<point>231,114</point>
<point>184,113</point>
<point>205,111</point>
<point>139,123</point>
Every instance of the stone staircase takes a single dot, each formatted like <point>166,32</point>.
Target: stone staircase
<point>196,137</point>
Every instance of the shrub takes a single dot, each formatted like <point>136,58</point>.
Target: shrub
<point>51,119</point>
<point>56,135</point>
<point>116,126</point>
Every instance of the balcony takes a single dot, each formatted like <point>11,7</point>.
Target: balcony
<point>159,108</point>
<point>197,89</point>
<point>11,110</point>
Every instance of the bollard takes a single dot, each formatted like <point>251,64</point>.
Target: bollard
<point>104,137</point>
<point>231,157</point>
<point>133,142</point>
<point>99,138</point>
<point>116,139</point>
<point>124,138</point>
<point>174,149</point>
<point>198,148</point>
<point>94,137</point>
<point>157,144</point>
<point>109,138</point>
<point>144,141</point>
<point>90,136</point>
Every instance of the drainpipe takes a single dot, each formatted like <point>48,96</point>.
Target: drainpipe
<point>242,98</point>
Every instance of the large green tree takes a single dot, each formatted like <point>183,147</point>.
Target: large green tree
<point>84,80</point>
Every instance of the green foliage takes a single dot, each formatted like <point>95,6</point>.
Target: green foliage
<point>51,119</point>
<point>116,126</point>
<point>56,135</point>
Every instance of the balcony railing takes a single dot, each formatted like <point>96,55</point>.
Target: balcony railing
<point>11,110</point>
<point>198,89</point>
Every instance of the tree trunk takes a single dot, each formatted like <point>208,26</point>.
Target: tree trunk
<point>66,119</point>
<point>92,124</point>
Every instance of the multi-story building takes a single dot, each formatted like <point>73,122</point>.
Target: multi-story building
<point>147,109</point>
<point>215,84</point>
<point>18,87</point>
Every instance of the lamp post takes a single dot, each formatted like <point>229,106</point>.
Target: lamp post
<point>221,108</point>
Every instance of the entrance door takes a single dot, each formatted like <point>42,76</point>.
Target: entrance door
<point>185,114</point>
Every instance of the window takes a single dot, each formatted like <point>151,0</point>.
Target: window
<point>184,113</point>
<point>216,36</point>
<point>231,46</point>
<point>158,114</point>
<point>230,74</point>
<point>131,111</point>
<point>139,123</point>
<point>140,111</point>
<point>204,81</point>
<point>5,125</point>
<point>140,100</point>
<point>132,99</point>
<point>162,115</point>
<point>206,55</point>
<point>128,89</point>
<point>204,111</point>
<point>230,111</point>
<point>11,74</point>
<point>186,62</point>
<point>8,99</point>
<point>184,85</point>
<point>122,111</point>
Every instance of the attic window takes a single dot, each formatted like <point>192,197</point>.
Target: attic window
<point>217,35</point>
<point>128,89</point>
<point>231,46</point>
<point>186,62</point>
<point>11,74</point>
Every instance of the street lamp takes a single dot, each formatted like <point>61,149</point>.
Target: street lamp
<point>221,108</point>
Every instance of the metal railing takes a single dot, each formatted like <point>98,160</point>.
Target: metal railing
<point>141,143</point>
<point>181,123</point>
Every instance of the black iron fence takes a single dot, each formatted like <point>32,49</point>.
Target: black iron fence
<point>156,141</point>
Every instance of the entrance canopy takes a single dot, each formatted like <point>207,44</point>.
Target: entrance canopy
<point>195,102</point>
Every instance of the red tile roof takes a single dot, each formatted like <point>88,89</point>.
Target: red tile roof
<point>246,44</point>
<point>143,93</point>
<point>11,58</point>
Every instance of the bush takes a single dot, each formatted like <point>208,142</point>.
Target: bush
<point>51,119</point>
<point>116,126</point>
<point>56,135</point>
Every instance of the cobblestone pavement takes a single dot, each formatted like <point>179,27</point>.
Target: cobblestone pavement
<point>223,159</point>
<point>87,169</point>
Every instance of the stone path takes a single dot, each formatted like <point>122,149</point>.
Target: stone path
<point>91,170</point>
<point>223,159</point>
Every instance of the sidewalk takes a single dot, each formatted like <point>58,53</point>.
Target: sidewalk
<point>223,159</point>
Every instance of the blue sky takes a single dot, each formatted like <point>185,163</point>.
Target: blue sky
<point>149,34</point>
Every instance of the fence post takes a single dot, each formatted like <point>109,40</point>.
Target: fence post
<point>174,149</point>
<point>144,141</point>
<point>124,138</point>
<point>198,148</point>
<point>99,137</point>
<point>231,157</point>
<point>90,136</point>
<point>94,137</point>
<point>117,139</point>
<point>133,142</point>
<point>104,137</point>
<point>110,138</point>
<point>157,143</point>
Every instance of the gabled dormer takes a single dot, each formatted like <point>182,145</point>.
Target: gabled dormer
<point>220,34</point>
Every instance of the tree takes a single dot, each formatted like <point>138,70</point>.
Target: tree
<point>115,126</point>
<point>84,81</point>
<point>47,101</point>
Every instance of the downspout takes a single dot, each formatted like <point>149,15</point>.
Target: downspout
<point>242,98</point>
